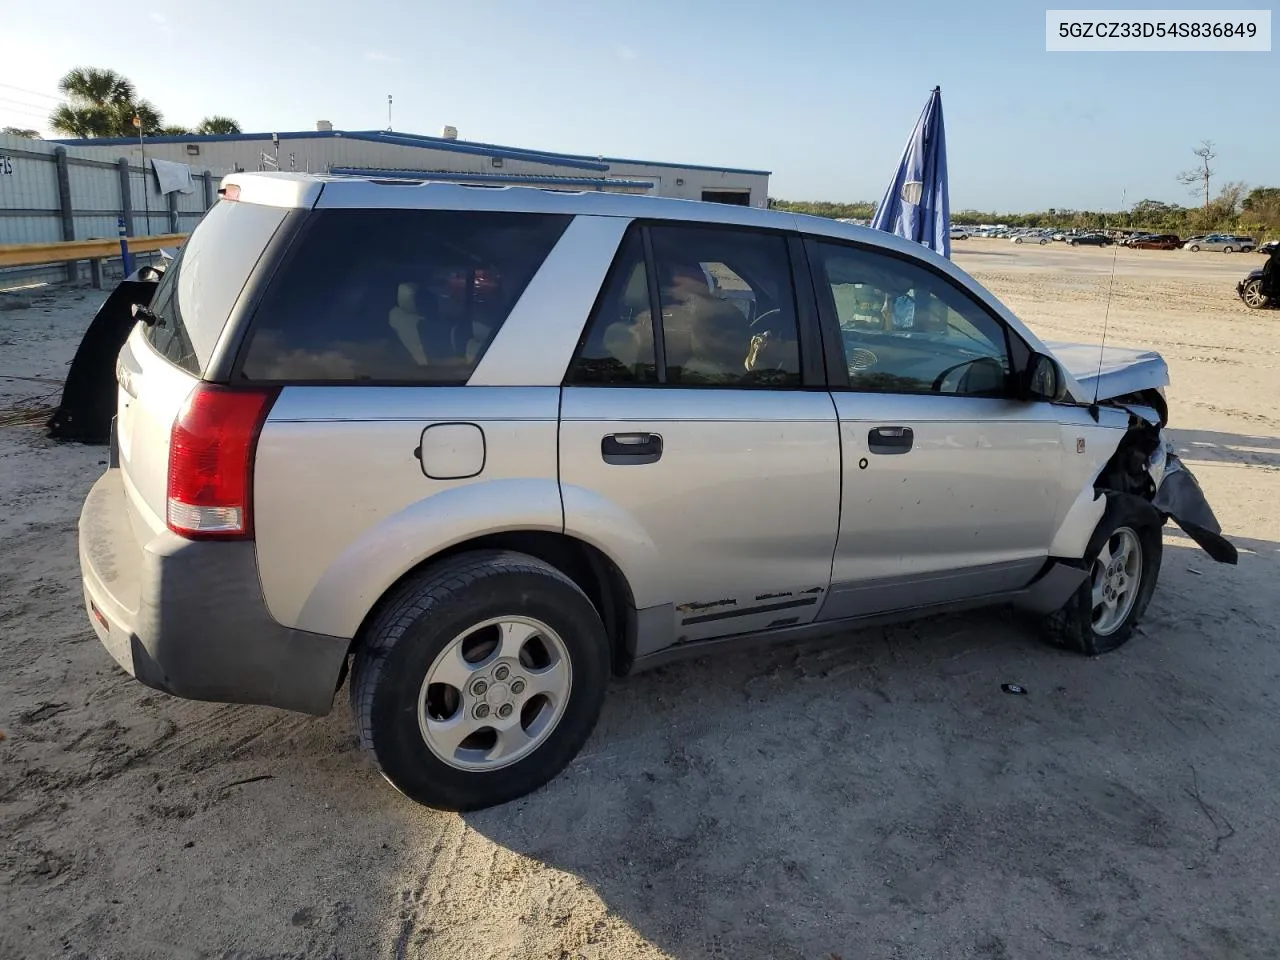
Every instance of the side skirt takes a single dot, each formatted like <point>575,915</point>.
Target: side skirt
<point>1049,591</point>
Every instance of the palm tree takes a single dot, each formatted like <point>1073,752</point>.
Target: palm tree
<point>173,131</point>
<point>218,125</point>
<point>82,121</point>
<point>101,88</point>
<point>102,103</point>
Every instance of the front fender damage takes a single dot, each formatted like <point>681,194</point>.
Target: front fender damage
<point>1144,464</point>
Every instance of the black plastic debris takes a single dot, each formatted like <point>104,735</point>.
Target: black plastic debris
<point>1016,689</point>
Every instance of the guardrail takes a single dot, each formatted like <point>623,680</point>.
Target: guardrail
<point>69,251</point>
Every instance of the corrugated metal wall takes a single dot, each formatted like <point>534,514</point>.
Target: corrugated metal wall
<point>31,204</point>
<point>321,153</point>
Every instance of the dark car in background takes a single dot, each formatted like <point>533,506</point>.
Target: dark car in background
<point>1091,239</point>
<point>1156,241</point>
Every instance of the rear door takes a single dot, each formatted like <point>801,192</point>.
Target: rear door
<point>950,484</point>
<point>161,363</point>
<point>705,441</point>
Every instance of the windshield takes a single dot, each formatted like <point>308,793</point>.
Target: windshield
<point>200,287</point>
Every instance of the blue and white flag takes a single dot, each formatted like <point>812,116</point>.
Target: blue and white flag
<point>917,205</point>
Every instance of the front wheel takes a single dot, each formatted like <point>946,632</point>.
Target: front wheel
<point>1195,248</point>
<point>1226,249</point>
<point>1253,295</point>
<point>1017,239</point>
<point>479,679</point>
<point>1123,561</point>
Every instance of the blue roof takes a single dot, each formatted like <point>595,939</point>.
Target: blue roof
<point>578,161</point>
<point>523,179</point>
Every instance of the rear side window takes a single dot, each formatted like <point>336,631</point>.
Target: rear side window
<point>395,296</point>
<point>200,287</point>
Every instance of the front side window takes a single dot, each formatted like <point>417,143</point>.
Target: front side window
<point>904,329</point>
<point>395,296</point>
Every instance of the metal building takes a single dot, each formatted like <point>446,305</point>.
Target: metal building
<point>396,154</point>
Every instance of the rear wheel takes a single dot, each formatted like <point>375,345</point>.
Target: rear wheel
<point>1075,243</point>
<point>1043,241</point>
<point>1253,295</point>
<point>479,679</point>
<point>1124,565</point>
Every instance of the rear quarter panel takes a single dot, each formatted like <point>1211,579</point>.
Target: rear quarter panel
<point>343,507</point>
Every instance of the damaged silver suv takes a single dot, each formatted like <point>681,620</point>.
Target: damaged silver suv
<point>488,447</point>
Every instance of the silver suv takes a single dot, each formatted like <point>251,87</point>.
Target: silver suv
<point>490,446</point>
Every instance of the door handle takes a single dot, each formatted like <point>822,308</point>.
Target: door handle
<point>631,448</point>
<point>890,440</point>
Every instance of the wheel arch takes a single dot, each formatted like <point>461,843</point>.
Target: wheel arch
<point>594,573</point>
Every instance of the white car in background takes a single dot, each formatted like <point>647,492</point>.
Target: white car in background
<point>959,233</point>
<point>1031,236</point>
<point>1220,242</point>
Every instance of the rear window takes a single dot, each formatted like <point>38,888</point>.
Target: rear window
<point>200,287</point>
<point>395,296</point>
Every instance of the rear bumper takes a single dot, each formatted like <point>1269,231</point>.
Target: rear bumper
<point>188,617</point>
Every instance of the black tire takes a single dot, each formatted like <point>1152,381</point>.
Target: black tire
<point>1226,249</point>
<point>1253,289</point>
<point>423,616</point>
<point>1043,241</point>
<point>1071,626</point>
<point>1075,243</point>
<point>1195,248</point>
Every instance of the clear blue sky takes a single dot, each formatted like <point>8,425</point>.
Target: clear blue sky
<point>823,94</point>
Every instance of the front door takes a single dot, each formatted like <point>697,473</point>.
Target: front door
<point>950,485</point>
<point>689,449</point>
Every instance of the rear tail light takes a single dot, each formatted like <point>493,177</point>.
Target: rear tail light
<point>211,452</point>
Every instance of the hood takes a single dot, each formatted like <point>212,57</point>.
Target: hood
<point>1123,371</point>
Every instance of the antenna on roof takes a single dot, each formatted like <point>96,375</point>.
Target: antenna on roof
<point>388,113</point>
<point>1106,318</point>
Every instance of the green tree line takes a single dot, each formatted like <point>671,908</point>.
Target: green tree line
<point>1234,210</point>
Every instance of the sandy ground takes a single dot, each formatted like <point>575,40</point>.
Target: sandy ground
<point>878,796</point>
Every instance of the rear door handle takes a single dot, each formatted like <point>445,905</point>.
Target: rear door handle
<point>631,448</point>
<point>890,440</point>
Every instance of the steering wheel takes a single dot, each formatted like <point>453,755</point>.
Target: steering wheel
<point>940,380</point>
<point>767,313</point>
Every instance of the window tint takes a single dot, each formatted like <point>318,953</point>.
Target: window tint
<point>906,330</point>
<point>410,296</point>
<point>728,309</point>
<point>618,345</point>
<point>201,285</point>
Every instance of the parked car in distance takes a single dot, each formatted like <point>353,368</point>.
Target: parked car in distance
<point>959,233</point>
<point>655,429</point>
<point>1091,239</point>
<point>1156,241</point>
<point>1220,242</point>
<point>1031,236</point>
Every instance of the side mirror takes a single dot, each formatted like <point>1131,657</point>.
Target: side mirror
<point>1044,380</point>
